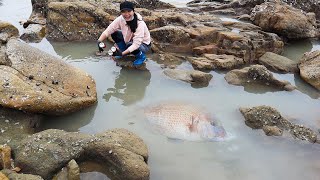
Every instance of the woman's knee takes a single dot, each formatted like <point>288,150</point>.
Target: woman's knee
<point>117,36</point>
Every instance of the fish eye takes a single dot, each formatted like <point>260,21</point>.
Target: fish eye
<point>213,123</point>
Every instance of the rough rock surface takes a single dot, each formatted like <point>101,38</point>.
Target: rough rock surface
<point>309,66</point>
<point>7,31</point>
<point>15,176</point>
<point>284,20</point>
<point>260,116</point>
<point>214,61</point>
<point>278,63</point>
<point>256,74</point>
<point>40,83</point>
<point>122,152</point>
<point>196,78</point>
<point>75,21</point>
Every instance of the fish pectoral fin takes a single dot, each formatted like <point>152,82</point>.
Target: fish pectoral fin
<point>192,128</point>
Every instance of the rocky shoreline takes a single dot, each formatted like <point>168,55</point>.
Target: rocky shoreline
<point>35,83</point>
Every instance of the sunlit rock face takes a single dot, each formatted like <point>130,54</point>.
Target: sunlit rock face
<point>40,83</point>
<point>284,20</point>
<point>309,66</point>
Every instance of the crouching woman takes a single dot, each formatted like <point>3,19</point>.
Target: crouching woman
<point>130,33</point>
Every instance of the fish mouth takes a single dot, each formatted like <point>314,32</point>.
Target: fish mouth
<point>212,133</point>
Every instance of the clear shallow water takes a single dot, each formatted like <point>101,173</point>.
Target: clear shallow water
<point>248,155</point>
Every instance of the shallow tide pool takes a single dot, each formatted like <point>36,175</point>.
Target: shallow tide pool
<point>247,155</point>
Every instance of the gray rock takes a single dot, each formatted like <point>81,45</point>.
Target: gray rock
<point>256,74</point>
<point>260,116</point>
<point>278,63</point>
<point>16,125</point>
<point>196,78</point>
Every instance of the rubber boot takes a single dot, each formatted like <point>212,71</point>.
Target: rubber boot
<point>140,58</point>
<point>122,46</point>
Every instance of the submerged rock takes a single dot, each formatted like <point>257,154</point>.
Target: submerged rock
<point>278,63</point>
<point>256,74</point>
<point>196,78</point>
<point>16,125</point>
<point>266,117</point>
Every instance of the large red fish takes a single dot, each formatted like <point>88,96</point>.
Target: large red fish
<point>184,121</point>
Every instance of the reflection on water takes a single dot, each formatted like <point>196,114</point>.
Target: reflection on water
<point>93,175</point>
<point>305,87</point>
<point>129,86</point>
<point>72,122</point>
<point>295,49</point>
<point>92,171</point>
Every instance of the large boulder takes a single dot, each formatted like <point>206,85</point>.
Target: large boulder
<point>40,83</point>
<point>309,66</point>
<point>284,20</point>
<point>75,21</point>
<point>122,153</point>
